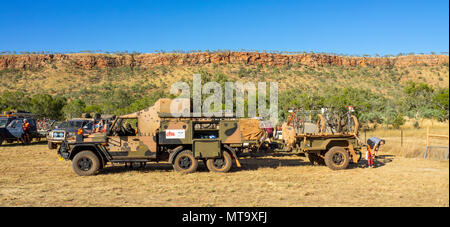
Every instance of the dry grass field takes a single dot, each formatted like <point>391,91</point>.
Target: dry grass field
<point>33,176</point>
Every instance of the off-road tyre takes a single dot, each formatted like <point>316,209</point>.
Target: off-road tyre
<point>220,165</point>
<point>185,162</point>
<point>354,125</point>
<point>337,158</point>
<point>1,140</point>
<point>85,163</point>
<point>52,145</point>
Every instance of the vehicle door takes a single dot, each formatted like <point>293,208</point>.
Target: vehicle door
<point>15,128</point>
<point>33,126</point>
<point>125,143</point>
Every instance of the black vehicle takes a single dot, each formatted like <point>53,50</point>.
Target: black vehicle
<point>5,120</point>
<point>67,129</point>
<point>14,130</point>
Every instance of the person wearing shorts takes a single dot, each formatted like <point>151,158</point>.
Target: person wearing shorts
<point>373,144</point>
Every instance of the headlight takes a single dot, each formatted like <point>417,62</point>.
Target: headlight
<point>57,135</point>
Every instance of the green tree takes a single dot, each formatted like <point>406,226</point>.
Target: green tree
<point>44,105</point>
<point>398,121</point>
<point>441,103</point>
<point>74,108</point>
<point>93,109</point>
<point>15,100</point>
<point>417,101</point>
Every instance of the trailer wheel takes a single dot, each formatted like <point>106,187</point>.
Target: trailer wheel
<point>220,165</point>
<point>337,158</point>
<point>185,162</point>
<point>85,163</point>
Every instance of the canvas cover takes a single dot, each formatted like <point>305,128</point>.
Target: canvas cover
<point>288,134</point>
<point>250,129</point>
<point>148,119</point>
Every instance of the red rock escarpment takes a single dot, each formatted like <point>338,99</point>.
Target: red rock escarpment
<point>89,61</point>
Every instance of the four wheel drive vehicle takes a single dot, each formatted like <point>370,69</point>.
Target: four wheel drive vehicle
<point>67,129</point>
<point>8,116</point>
<point>14,131</point>
<point>45,125</point>
<point>5,120</point>
<point>334,149</point>
<point>147,136</point>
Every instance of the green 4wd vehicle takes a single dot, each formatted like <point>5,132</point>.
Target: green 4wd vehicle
<point>144,136</point>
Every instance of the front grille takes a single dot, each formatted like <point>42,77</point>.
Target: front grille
<point>58,135</point>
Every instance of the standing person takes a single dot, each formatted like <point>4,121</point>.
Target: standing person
<point>269,133</point>
<point>26,131</point>
<point>269,130</point>
<point>373,144</point>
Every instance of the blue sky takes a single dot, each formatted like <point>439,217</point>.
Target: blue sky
<point>341,27</point>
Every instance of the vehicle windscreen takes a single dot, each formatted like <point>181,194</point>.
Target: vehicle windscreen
<point>3,122</point>
<point>16,123</point>
<point>71,124</point>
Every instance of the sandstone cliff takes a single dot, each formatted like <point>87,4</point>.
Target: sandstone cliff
<point>89,61</point>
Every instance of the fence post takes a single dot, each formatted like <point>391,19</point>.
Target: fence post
<point>401,135</point>
<point>365,137</point>
<point>427,143</point>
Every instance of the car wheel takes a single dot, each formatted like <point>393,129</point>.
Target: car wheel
<point>185,162</point>
<point>220,165</point>
<point>85,163</point>
<point>337,158</point>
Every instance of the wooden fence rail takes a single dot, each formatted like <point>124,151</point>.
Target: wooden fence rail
<point>428,146</point>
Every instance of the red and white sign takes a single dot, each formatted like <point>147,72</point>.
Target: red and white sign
<point>175,134</point>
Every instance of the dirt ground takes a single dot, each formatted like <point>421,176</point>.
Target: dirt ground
<point>33,176</point>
